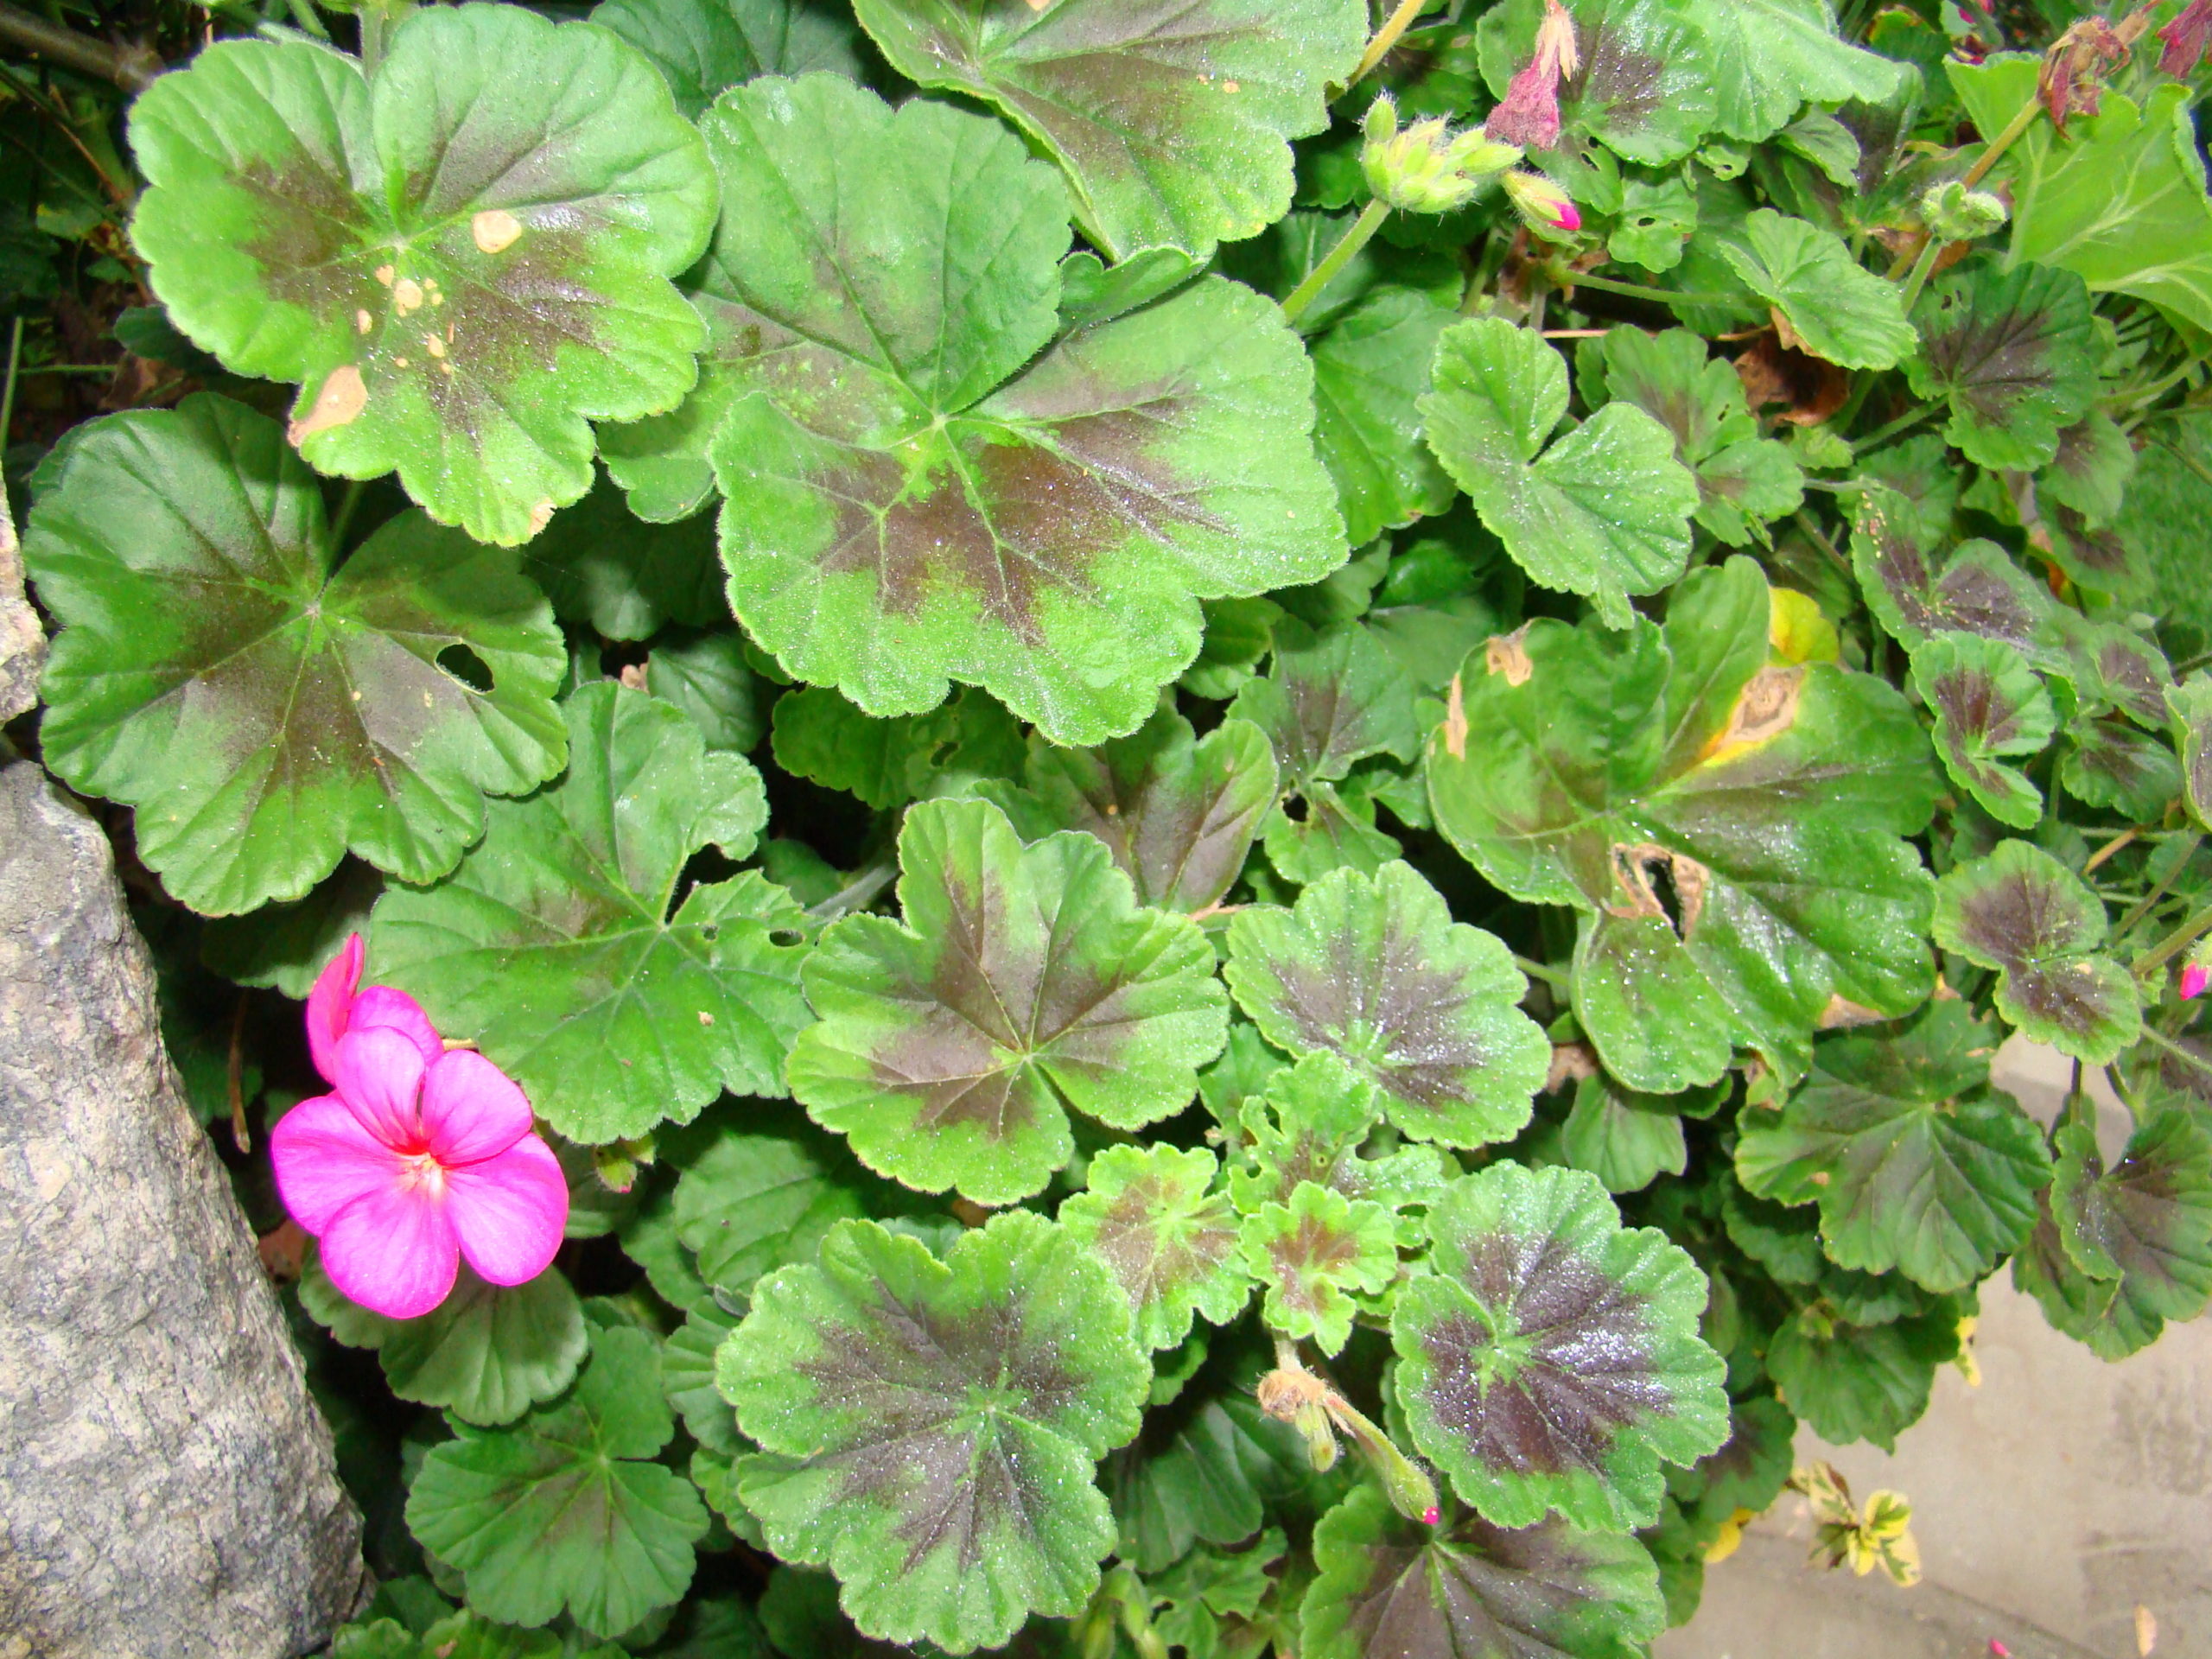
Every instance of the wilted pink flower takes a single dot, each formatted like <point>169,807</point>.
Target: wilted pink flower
<point>2193,981</point>
<point>2183,40</point>
<point>1541,202</point>
<point>1528,113</point>
<point>334,1006</point>
<point>412,1164</point>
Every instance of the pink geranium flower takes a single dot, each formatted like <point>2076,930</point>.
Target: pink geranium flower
<point>417,1158</point>
<point>335,1005</point>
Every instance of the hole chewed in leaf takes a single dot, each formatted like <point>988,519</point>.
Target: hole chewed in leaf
<point>465,665</point>
<point>1657,881</point>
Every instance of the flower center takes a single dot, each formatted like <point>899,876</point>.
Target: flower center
<point>422,1170</point>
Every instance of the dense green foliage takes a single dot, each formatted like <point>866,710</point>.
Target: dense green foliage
<point>1258,858</point>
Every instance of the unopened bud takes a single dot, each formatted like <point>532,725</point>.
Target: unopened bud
<point>1543,204</point>
<point>1954,213</point>
<point>2196,972</point>
<point>1426,167</point>
<point>1407,1484</point>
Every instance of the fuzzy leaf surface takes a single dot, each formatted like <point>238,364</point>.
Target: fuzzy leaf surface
<point>1552,1360</point>
<point>1916,593</point>
<point>2146,1221</point>
<point>1370,370</point>
<point>1769,57</point>
<point>1839,309</point>
<point>463,258</point>
<point>1172,119</point>
<point>750,1203</point>
<point>2015,354</point>
<point>931,1426</point>
<point>1152,1215</point>
<point>1373,969</point>
<point>553,947</point>
<point>1022,981</point>
<point>264,712</point>
<point>1988,704</point>
<point>1771,802</point>
<point>1604,512</point>
<point>1643,87</point>
<point>1857,1383</point>
<point>1309,1127</point>
<point>914,494</point>
<point>1311,1253</point>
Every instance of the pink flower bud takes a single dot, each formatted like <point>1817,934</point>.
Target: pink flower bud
<point>1542,203</point>
<point>1999,1651</point>
<point>1432,1516</point>
<point>2193,981</point>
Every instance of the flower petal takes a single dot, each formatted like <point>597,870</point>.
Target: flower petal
<point>380,1077</point>
<point>471,1109</point>
<point>330,1005</point>
<point>509,1211</point>
<point>381,1007</point>
<point>326,1158</point>
<point>394,1250</point>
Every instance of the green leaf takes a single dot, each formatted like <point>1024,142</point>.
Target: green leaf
<point>1654,221</point>
<point>1853,1383</point>
<point>558,946</point>
<point>1552,1360</point>
<point>2119,200</point>
<point>1625,1138</point>
<point>1171,120</point>
<point>2014,352</point>
<point>463,257</point>
<point>1771,56</point>
<point>2024,913</point>
<point>1021,982</point>
<point>1368,370</point>
<point>932,1427</point>
<point>1311,1253</point>
<point>1328,701</point>
<point>1916,1162</point>
<point>2090,470</point>
<point>2146,1221</point>
<point>562,1509</point>
<point>702,48</point>
<point>1602,513</point>
<point>1309,1127</point>
<point>1150,1215</point>
<point>487,1353</point>
<point>1473,1591</point>
<point>688,1378</point>
<point>1178,812</point>
<point>1730,830</point>
<point>909,503</point>
<point>886,763</point>
<point>1644,87</point>
<point>2111,765</point>
<point>1914,594</point>
<point>1838,309</point>
<point>265,713</point>
<point>1372,968</point>
<point>2190,703</point>
<point>751,1203</point>
<point>600,564</point>
<point>286,947</point>
<point>1988,704</point>
<point>1094,291</point>
<point>1743,480</point>
<point>709,678</point>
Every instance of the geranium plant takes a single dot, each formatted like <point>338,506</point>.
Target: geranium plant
<point>1127,827</point>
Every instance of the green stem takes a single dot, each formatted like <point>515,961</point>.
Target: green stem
<point>304,14</point>
<point>2175,942</point>
<point>1370,221</point>
<point>1551,977</point>
<point>8,396</point>
<point>1385,38</point>
<point>2019,124</point>
<point>1921,267</point>
<point>1882,435</point>
<point>2162,1040</point>
<point>131,67</point>
<point>346,503</point>
<point>2129,922</point>
<point>859,890</point>
<point>1803,520</point>
<point>1638,291</point>
<point>30,369</point>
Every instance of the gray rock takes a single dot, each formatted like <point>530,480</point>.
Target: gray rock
<point>167,1486</point>
<point>22,643</point>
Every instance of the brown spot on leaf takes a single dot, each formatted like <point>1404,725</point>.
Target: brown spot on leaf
<point>1774,372</point>
<point>1455,722</point>
<point>1840,1013</point>
<point>494,230</point>
<point>1507,654</point>
<point>343,397</point>
<point>1765,708</point>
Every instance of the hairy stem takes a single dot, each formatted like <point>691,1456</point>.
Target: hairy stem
<point>1385,38</point>
<point>1370,221</point>
<point>1638,291</point>
<point>131,67</point>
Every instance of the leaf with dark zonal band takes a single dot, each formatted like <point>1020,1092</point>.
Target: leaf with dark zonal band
<point>2109,763</point>
<point>2024,913</point>
<point>1916,1162</point>
<point>1022,981</point>
<point>910,497</point>
<point>1743,479</point>
<point>1472,1591</point>
<point>487,1353</point>
<point>1642,85</point>
<point>1368,371</point>
<point>750,1203</point>
<point>1329,700</point>
<point>1914,594</point>
<point>2090,470</point>
<point>702,48</point>
<point>565,1508</point>
<point>1311,1253</point>
<point>1604,512</point>
<point>461,258</point>
<point>1309,1126</point>
<point>1178,812</point>
<point>1551,1360</point>
<point>2190,705</point>
<point>2014,352</point>
<point>263,713</point>
<point>554,948</point>
<point>1988,704</point>
<point>932,1426</point>
<point>1839,311</point>
<point>1374,969</point>
<point>1151,1215</point>
<point>1731,831</point>
<point>1856,1383</point>
<point>1171,118</point>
